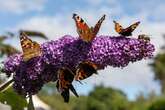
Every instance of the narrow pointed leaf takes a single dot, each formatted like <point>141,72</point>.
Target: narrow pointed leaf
<point>34,33</point>
<point>5,85</point>
<point>11,98</point>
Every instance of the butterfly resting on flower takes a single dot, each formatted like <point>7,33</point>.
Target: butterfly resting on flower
<point>144,37</point>
<point>30,48</point>
<point>85,32</point>
<point>64,83</point>
<point>125,31</point>
<point>85,69</point>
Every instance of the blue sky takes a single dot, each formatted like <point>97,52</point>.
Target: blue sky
<point>54,18</point>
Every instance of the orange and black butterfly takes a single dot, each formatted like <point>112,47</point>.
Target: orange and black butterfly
<point>144,37</point>
<point>64,83</point>
<point>30,48</point>
<point>125,31</point>
<point>85,69</point>
<point>85,32</point>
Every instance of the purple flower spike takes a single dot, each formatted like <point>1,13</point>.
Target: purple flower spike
<point>68,52</point>
<point>11,64</point>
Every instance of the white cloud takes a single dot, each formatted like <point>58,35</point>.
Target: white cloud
<point>21,6</point>
<point>137,76</point>
<point>98,2</point>
<point>54,27</point>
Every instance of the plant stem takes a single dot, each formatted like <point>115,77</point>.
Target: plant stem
<point>31,105</point>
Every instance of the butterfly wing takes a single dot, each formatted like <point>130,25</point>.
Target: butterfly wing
<point>85,70</point>
<point>118,27</point>
<point>64,83</point>
<point>65,94</point>
<point>128,31</point>
<point>83,29</point>
<point>97,26</point>
<point>30,48</point>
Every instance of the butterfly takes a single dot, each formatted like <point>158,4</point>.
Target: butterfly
<point>87,34</point>
<point>85,69</point>
<point>30,48</point>
<point>125,31</point>
<point>144,37</point>
<point>64,83</point>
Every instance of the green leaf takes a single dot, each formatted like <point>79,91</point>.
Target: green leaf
<point>5,85</point>
<point>11,98</point>
<point>6,49</point>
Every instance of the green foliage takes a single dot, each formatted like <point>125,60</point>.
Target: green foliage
<point>11,98</point>
<point>100,98</point>
<point>159,69</point>
<point>158,105</point>
<point>93,104</point>
<point>107,99</point>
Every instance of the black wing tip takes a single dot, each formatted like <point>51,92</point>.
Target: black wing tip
<point>138,22</point>
<point>74,15</point>
<point>66,96</point>
<point>114,21</point>
<point>23,35</point>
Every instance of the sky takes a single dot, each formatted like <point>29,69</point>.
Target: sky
<point>54,18</point>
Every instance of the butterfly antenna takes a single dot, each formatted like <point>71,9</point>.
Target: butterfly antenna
<point>73,90</point>
<point>80,82</point>
<point>65,94</point>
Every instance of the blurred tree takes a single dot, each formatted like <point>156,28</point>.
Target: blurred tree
<point>107,99</point>
<point>158,105</point>
<point>6,49</point>
<point>158,66</point>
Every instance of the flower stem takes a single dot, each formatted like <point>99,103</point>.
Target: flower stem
<point>31,105</point>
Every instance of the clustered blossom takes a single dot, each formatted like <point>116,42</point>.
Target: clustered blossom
<point>69,51</point>
<point>11,63</point>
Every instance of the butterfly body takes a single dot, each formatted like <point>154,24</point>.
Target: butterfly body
<point>125,31</point>
<point>64,83</point>
<point>85,32</point>
<point>30,48</point>
<point>85,69</point>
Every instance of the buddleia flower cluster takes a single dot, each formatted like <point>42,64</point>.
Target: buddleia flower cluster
<point>68,51</point>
